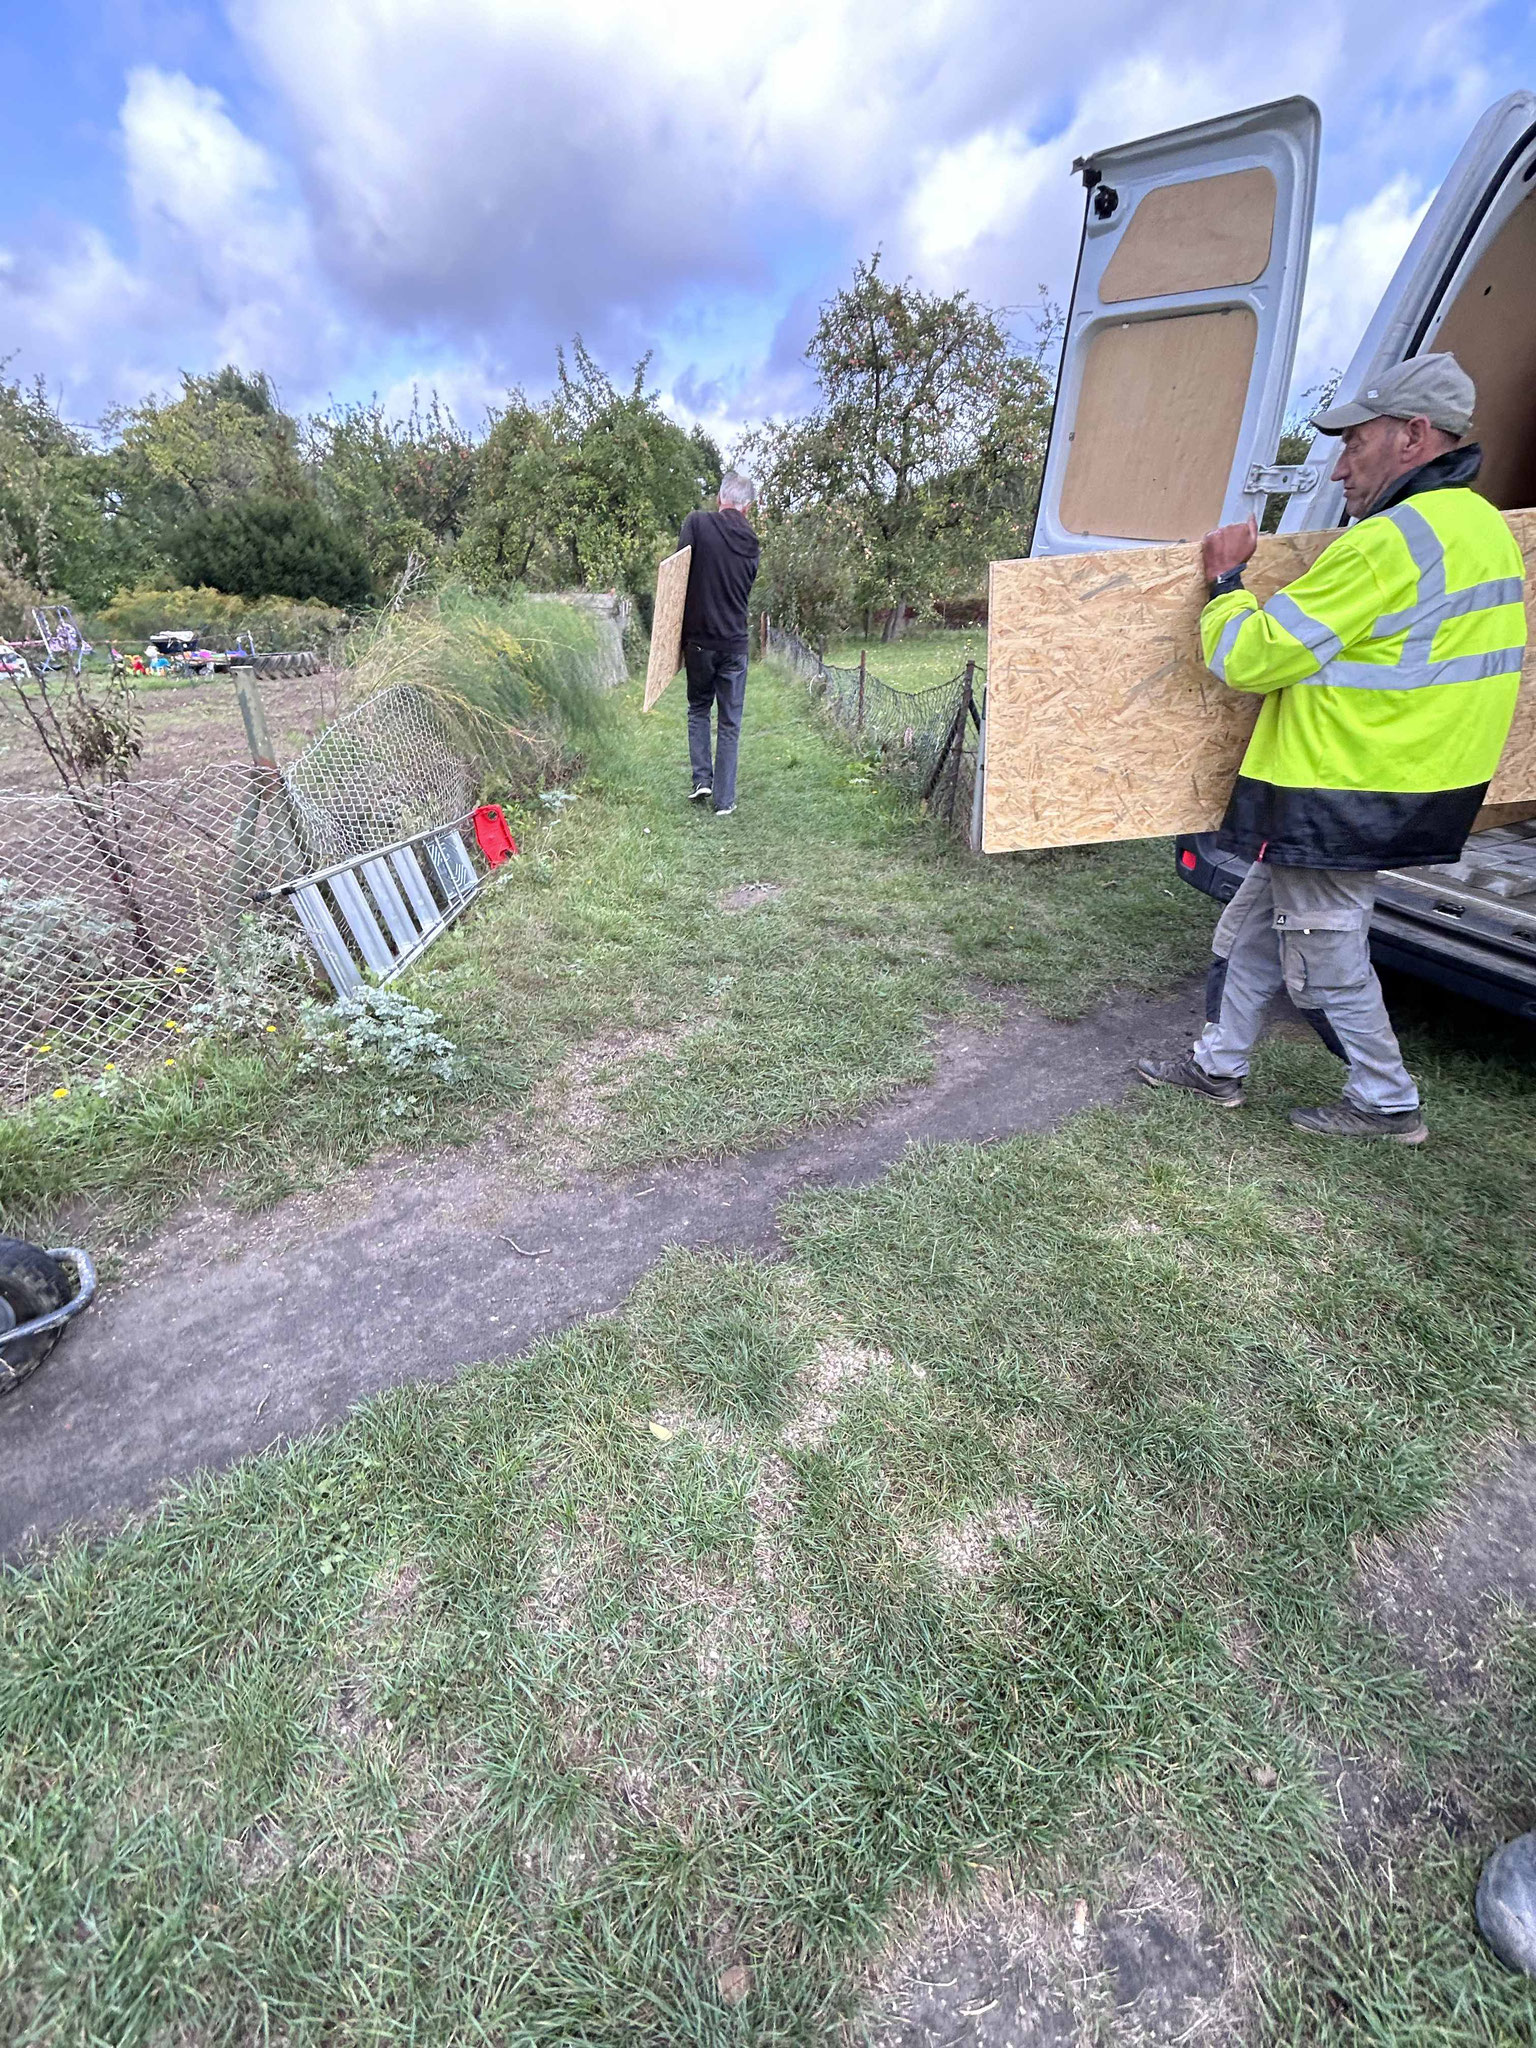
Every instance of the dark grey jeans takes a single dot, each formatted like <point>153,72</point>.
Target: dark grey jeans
<point>717,679</point>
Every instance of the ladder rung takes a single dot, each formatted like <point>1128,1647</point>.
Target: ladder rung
<point>361,922</point>
<point>453,866</point>
<point>388,898</point>
<point>414,882</point>
<point>315,916</point>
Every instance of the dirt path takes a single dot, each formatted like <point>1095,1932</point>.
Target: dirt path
<point>250,1330</point>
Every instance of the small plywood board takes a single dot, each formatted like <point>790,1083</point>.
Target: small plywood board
<point>667,625</point>
<point>1104,723</point>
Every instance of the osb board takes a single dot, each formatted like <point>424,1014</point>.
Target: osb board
<point>667,625</point>
<point>1194,236</point>
<point>1102,720</point>
<point>1156,424</point>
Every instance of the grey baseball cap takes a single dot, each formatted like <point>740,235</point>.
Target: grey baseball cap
<point>1435,388</point>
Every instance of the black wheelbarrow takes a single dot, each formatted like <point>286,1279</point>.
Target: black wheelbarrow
<point>38,1296</point>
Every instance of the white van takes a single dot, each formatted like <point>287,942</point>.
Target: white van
<point>1176,364</point>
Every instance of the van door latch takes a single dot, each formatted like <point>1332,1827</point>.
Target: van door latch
<point>1282,479</point>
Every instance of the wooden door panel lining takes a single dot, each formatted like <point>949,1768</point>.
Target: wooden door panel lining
<point>1194,236</point>
<point>1158,416</point>
<point>1491,330</point>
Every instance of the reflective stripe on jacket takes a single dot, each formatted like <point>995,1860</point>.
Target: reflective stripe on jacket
<point>1389,673</point>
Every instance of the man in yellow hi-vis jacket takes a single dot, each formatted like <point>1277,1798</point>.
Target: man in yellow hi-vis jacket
<point>1389,673</point>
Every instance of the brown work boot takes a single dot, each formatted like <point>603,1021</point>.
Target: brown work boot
<point>1186,1072</point>
<point>1343,1120</point>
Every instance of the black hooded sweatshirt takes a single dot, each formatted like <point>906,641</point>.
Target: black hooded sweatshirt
<point>720,579</point>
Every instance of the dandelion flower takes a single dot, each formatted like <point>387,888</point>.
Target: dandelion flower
<point>178,968</point>
<point>171,1024</point>
<point>271,1027</point>
<point>59,1094</point>
<point>45,1048</point>
<point>110,1067</point>
<point>170,1062</point>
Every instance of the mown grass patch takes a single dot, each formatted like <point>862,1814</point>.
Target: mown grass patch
<point>920,661</point>
<point>617,926</point>
<point>646,1687</point>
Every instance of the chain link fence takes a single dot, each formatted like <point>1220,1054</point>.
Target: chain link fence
<point>925,739</point>
<point>125,907</point>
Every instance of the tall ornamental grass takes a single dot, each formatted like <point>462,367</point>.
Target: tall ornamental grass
<point>516,682</point>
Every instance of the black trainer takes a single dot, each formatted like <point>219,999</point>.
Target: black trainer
<point>1186,1072</point>
<point>700,793</point>
<point>1506,1903</point>
<point>1343,1120</point>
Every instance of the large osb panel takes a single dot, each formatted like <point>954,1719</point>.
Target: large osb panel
<point>667,625</point>
<point>1191,237</point>
<point>1156,425</point>
<point>1102,720</point>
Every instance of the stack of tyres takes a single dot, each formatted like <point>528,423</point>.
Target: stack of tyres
<point>304,663</point>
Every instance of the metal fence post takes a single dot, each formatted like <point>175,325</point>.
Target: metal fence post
<point>863,658</point>
<point>979,787</point>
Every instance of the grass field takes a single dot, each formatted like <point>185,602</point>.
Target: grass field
<point>918,662</point>
<point>613,932</point>
<point>996,1548</point>
<point>1001,1557</point>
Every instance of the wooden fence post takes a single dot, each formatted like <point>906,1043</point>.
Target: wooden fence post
<point>267,785</point>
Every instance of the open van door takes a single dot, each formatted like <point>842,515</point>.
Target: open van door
<point>1467,284</point>
<point>1182,330</point>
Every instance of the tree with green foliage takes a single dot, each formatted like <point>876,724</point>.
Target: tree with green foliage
<point>225,436</point>
<point>586,488</point>
<point>922,461</point>
<point>61,533</point>
<point>262,545</point>
<point>403,487</point>
<point>172,462</point>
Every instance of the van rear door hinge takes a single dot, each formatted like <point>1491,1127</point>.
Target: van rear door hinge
<point>1281,479</point>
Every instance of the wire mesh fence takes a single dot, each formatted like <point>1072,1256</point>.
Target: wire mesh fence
<point>124,906</point>
<point>926,739</point>
<point>383,771</point>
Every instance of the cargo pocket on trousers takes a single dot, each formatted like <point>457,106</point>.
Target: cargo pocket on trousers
<point>1320,964</point>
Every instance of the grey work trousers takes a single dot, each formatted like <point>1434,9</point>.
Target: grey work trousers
<point>1308,930</point>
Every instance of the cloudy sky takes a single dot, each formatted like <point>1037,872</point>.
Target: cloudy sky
<point>363,195</point>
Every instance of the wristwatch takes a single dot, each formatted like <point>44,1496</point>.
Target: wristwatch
<point>1231,579</point>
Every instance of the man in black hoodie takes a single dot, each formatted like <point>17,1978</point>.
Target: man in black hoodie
<point>720,579</point>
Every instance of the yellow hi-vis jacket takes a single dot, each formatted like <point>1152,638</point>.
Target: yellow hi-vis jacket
<point>1389,673</point>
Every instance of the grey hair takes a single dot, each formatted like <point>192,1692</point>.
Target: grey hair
<point>737,490</point>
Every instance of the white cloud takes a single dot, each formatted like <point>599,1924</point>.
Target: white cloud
<point>973,190</point>
<point>462,183</point>
<point>187,162</point>
<point>1351,265</point>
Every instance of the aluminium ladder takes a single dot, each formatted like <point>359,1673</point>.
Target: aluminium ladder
<point>378,912</point>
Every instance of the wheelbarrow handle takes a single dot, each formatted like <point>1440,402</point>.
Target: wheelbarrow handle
<point>84,1295</point>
